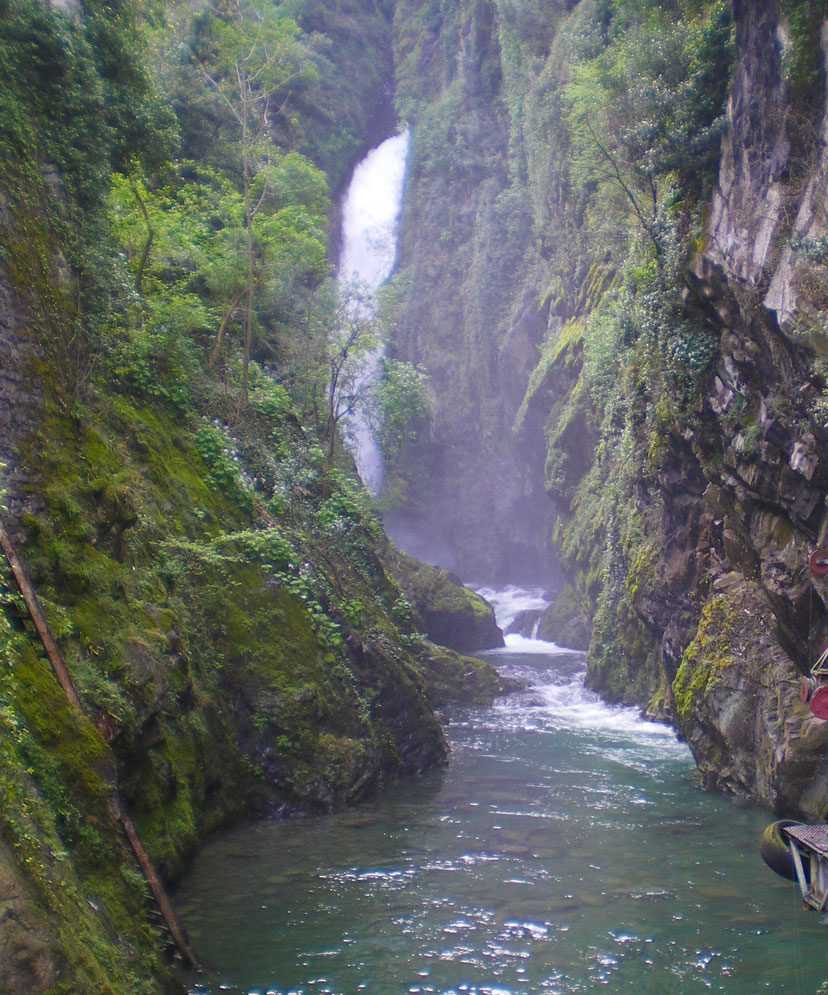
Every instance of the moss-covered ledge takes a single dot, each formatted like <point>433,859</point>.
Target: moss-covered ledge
<point>737,701</point>
<point>449,613</point>
<point>452,678</point>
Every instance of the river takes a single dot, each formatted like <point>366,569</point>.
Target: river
<point>567,848</point>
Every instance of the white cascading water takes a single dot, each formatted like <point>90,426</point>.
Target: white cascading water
<point>369,248</point>
<point>562,699</point>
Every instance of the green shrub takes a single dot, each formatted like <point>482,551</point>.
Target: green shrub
<point>217,451</point>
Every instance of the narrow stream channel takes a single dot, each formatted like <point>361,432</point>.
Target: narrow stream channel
<point>567,849</point>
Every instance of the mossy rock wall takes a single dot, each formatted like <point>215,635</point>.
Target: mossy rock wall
<point>736,696</point>
<point>212,582</point>
<point>222,691</point>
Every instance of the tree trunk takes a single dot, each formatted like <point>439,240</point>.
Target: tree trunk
<point>248,221</point>
<point>225,321</point>
<point>27,592</point>
<point>156,887</point>
<point>145,254</point>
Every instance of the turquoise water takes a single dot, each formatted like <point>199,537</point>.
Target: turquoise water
<point>566,849</point>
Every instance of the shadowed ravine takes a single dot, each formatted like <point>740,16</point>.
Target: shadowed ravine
<point>566,849</point>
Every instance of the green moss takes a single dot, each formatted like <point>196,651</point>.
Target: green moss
<point>641,571</point>
<point>803,60</point>
<point>82,758</point>
<point>560,347</point>
<point>705,659</point>
<point>451,678</point>
<point>599,280</point>
<point>567,427</point>
<point>443,608</point>
<point>55,776</point>
<point>660,705</point>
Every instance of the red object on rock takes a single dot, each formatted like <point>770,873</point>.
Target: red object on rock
<point>819,703</point>
<point>819,562</point>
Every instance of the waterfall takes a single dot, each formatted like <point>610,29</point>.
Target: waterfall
<point>369,248</point>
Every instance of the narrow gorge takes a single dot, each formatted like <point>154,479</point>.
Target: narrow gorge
<point>413,424</point>
<point>644,347</point>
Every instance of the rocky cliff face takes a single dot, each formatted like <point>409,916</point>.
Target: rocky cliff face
<point>765,495</point>
<point>683,415</point>
<point>737,619</point>
<point>471,315</point>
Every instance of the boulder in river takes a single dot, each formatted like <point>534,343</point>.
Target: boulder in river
<point>446,611</point>
<point>525,623</point>
<point>564,622</point>
<point>451,678</point>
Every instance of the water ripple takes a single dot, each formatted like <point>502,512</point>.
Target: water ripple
<point>566,850</point>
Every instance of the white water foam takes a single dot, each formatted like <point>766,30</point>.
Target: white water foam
<point>559,698</point>
<point>369,248</point>
<point>509,602</point>
<point>576,707</point>
<point>525,644</point>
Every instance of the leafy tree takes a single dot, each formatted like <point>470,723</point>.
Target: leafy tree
<point>352,340</point>
<point>401,404</point>
<point>187,245</point>
<point>650,104</point>
<point>250,55</point>
<point>333,369</point>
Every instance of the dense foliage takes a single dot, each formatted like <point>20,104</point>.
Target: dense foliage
<point>640,118</point>
<point>205,558</point>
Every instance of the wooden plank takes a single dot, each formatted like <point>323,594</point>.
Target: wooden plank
<point>800,871</point>
<point>813,837</point>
